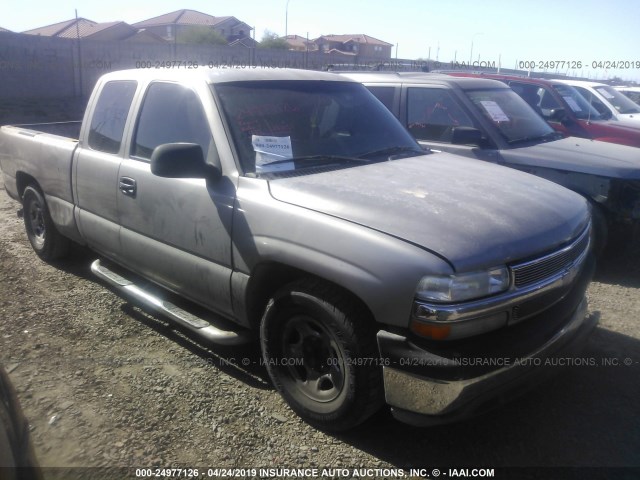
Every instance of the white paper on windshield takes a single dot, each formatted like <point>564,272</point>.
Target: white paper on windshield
<point>573,104</point>
<point>605,94</point>
<point>272,149</point>
<point>494,111</point>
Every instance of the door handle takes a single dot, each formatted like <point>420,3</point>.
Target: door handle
<point>127,186</point>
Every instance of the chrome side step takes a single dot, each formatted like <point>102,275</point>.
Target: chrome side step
<point>198,325</point>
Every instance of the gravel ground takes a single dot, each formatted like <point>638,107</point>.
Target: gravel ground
<point>105,383</point>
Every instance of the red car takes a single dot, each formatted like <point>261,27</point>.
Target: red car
<point>564,108</point>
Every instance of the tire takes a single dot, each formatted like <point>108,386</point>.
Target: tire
<point>45,239</point>
<point>321,353</point>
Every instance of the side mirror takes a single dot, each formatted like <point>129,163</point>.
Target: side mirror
<point>466,136</point>
<point>557,114</point>
<point>181,160</point>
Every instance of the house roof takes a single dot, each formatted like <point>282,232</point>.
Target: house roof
<point>145,36</point>
<point>88,30</point>
<point>57,28</point>
<point>184,17</point>
<point>296,41</point>
<point>80,27</point>
<point>357,38</point>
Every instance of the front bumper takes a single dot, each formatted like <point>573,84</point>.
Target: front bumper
<point>426,385</point>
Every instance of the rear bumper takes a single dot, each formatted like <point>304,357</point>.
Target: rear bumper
<point>428,400</point>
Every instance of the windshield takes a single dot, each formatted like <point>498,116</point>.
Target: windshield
<point>580,107</point>
<point>277,124</point>
<point>621,103</point>
<point>633,95</point>
<point>513,117</point>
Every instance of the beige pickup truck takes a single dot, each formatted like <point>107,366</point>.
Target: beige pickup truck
<point>297,211</point>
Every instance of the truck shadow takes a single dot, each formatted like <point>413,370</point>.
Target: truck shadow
<point>242,362</point>
<point>623,269</point>
<point>586,416</point>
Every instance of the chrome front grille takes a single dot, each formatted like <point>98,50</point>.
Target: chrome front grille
<point>548,266</point>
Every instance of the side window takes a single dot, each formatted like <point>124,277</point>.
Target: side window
<point>635,96</point>
<point>384,94</point>
<point>548,103</point>
<point>432,113</point>
<point>170,113</point>
<point>110,116</point>
<point>532,94</point>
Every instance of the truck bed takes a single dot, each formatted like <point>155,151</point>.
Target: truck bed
<point>39,151</point>
<point>70,130</point>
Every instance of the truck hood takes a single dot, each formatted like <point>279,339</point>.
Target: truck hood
<point>580,155</point>
<point>474,215</point>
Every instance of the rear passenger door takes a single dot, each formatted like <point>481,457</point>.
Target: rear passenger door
<point>97,163</point>
<point>176,232</point>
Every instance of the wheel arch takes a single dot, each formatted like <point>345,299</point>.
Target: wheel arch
<point>23,180</point>
<point>269,277</point>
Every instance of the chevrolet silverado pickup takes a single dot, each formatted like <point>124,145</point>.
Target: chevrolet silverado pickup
<point>485,120</point>
<point>299,214</point>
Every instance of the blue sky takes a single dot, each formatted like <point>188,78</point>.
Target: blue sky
<point>501,30</point>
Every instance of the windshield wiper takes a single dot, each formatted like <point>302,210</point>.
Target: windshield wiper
<point>320,159</point>
<point>546,137</point>
<point>392,151</point>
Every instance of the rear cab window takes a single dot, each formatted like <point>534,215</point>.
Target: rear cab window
<point>386,95</point>
<point>110,115</point>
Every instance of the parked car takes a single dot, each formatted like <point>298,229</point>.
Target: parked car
<point>631,92</point>
<point>485,120</point>
<point>567,111</point>
<point>606,100</point>
<point>296,208</point>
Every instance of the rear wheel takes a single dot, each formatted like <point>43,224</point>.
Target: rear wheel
<point>45,239</point>
<point>321,354</point>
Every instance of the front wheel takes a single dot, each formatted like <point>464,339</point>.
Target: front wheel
<point>321,354</point>
<point>45,239</point>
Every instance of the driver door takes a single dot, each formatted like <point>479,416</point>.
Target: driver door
<point>176,231</point>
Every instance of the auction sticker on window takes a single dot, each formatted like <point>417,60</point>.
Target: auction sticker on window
<point>494,111</point>
<point>604,93</point>
<point>272,149</point>
<point>573,104</point>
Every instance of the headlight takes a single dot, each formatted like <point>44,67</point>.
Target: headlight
<point>460,287</point>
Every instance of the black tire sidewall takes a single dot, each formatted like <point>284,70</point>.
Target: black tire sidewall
<point>48,249</point>
<point>348,408</point>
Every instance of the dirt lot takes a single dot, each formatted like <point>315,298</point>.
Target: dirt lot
<point>105,383</point>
